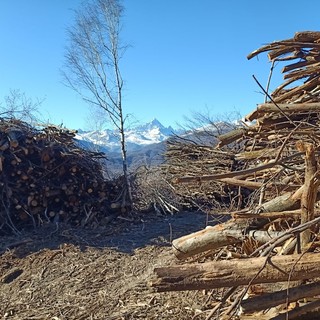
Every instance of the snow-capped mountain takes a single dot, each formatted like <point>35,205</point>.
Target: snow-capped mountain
<point>109,141</point>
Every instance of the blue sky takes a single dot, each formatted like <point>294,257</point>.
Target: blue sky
<point>184,55</point>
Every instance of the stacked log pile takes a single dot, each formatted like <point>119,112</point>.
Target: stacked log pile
<point>45,176</point>
<point>268,250</point>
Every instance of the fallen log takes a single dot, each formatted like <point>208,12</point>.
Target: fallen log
<point>236,272</point>
<point>287,201</point>
<point>297,312</point>
<point>215,237</point>
<point>294,214</point>
<point>288,295</point>
<point>231,232</point>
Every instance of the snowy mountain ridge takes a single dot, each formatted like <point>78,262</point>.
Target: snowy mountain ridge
<point>109,140</point>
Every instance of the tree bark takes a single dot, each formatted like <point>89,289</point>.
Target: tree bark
<point>236,272</point>
<point>264,108</point>
<point>274,299</point>
<point>296,313</point>
<point>231,232</point>
<point>217,236</point>
<point>287,201</point>
<point>311,183</point>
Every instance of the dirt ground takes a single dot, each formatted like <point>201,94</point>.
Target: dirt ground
<point>60,272</point>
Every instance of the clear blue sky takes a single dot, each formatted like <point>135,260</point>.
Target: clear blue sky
<point>185,55</point>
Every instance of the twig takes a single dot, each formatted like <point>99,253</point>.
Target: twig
<point>269,79</point>
<point>268,95</point>
<point>271,244</point>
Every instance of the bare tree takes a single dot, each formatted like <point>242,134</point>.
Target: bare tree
<point>17,105</point>
<point>203,126</point>
<point>92,65</point>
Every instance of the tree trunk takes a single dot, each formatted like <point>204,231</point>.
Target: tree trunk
<point>236,272</point>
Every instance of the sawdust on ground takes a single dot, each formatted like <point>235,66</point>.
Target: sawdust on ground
<point>61,273</point>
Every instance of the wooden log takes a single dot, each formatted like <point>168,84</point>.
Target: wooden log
<point>274,299</point>
<point>287,201</point>
<point>311,184</point>
<point>271,46</point>
<point>298,312</point>
<point>219,176</point>
<point>217,236</point>
<point>242,183</point>
<point>231,136</point>
<point>230,232</point>
<point>287,108</point>
<point>257,185</point>
<point>306,36</point>
<point>240,173</point>
<point>236,272</point>
<point>290,93</point>
<point>294,214</point>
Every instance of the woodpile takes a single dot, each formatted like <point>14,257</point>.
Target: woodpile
<point>46,177</point>
<point>267,253</point>
<point>198,160</point>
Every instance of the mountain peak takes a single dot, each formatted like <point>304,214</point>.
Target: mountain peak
<point>154,123</point>
<point>146,134</point>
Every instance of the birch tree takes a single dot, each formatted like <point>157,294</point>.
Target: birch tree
<point>92,65</point>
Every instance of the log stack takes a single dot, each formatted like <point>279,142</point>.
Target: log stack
<point>45,176</point>
<point>267,253</point>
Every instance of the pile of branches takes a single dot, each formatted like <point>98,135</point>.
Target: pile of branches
<point>46,177</point>
<point>304,50</point>
<point>268,251</point>
<point>195,159</point>
<point>153,192</point>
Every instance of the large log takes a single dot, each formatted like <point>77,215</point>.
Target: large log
<point>211,238</point>
<point>236,272</point>
<point>287,201</point>
<point>231,232</point>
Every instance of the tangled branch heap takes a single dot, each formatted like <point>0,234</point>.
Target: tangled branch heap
<point>277,157</point>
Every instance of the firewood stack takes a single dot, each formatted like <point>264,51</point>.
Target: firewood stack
<point>45,176</point>
<point>267,253</point>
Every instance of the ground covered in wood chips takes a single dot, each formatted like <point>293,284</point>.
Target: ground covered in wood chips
<point>58,272</point>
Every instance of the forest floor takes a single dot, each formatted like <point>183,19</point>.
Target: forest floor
<point>58,272</point>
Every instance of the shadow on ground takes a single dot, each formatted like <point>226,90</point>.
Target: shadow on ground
<point>121,234</point>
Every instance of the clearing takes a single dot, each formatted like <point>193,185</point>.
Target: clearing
<point>58,272</point>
